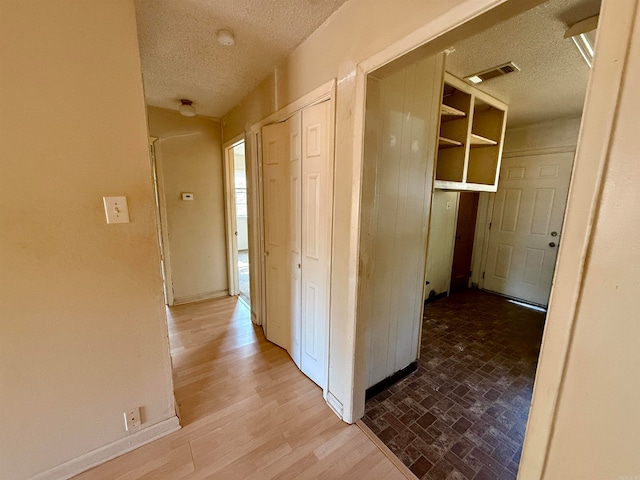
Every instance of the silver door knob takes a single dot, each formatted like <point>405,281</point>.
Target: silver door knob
<point>552,244</point>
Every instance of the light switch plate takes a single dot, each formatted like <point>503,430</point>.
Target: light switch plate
<point>116,209</point>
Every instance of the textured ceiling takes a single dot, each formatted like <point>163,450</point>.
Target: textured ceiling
<point>553,80</point>
<point>181,57</point>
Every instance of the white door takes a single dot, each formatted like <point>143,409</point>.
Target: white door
<point>527,219</point>
<point>281,166</point>
<point>317,211</point>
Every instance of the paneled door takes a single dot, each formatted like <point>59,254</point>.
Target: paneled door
<point>298,212</point>
<point>281,181</point>
<point>526,225</point>
<point>317,212</point>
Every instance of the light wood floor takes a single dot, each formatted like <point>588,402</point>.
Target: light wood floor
<point>247,412</point>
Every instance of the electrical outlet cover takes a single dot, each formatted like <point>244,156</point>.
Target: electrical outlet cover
<point>132,420</point>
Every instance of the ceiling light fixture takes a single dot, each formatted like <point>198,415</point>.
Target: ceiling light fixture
<point>186,108</point>
<point>226,38</point>
<point>583,35</point>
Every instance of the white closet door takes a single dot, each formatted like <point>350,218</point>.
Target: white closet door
<point>280,169</point>
<point>525,228</point>
<point>317,211</point>
<point>295,234</point>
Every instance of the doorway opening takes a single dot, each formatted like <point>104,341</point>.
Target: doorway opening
<point>160,211</point>
<point>466,175</point>
<point>237,221</point>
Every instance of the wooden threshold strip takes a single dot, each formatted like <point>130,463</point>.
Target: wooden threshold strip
<point>388,453</point>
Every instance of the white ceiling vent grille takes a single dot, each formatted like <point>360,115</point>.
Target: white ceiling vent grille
<point>494,72</point>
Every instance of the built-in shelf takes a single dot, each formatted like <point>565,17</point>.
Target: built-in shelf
<point>470,139</point>
<point>449,111</point>
<point>444,142</point>
<point>480,141</point>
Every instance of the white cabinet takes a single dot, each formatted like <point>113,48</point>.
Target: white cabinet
<point>471,136</point>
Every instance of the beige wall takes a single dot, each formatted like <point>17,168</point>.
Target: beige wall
<point>83,329</point>
<point>189,155</point>
<point>542,136</point>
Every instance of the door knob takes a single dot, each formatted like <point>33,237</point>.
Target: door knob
<point>299,266</point>
<point>554,234</point>
<point>266,254</point>
<point>552,244</point>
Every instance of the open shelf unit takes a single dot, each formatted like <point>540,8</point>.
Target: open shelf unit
<point>472,126</point>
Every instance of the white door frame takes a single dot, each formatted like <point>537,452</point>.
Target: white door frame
<point>601,107</point>
<point>325,92</point>
<point>161,216</point>
<point>231,228</point>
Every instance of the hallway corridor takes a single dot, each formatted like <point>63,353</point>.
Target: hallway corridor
<point>247,412</point>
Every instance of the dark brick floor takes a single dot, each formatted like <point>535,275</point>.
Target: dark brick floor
<point>462,414</point>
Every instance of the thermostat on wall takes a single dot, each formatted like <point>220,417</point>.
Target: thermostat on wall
<point>187,196</point>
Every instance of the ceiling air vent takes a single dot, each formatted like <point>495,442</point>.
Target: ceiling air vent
<point>494,72</point>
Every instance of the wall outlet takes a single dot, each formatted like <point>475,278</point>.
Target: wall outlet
<point>132,420</point>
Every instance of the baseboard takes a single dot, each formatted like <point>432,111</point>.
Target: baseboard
<point>387,452</point>
<point>110,451</point>
<point>334,404</point>
<point>390,380</point>
<point>200,297</point>
<point>433,298</point>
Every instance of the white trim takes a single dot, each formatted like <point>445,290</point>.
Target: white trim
<point>164,228</point>
<point>231,227</point>
<point>234,141</point>
<point>334,404</point>
<point>320,94</point>
<point>112,450</point>
<point>200,297</point>
<point>448,21</point>
<point>256,267</point>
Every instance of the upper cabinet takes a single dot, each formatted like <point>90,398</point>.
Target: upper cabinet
<point>472,126</point>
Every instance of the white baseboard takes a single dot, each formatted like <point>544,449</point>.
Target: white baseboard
<point>112,450</point>
<point>200,296</point>
<point>335,404</point>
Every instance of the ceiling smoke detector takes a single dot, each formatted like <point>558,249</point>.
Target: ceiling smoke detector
<point>499,71</point>
<point>186,108</point>
<point>226,38</point>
